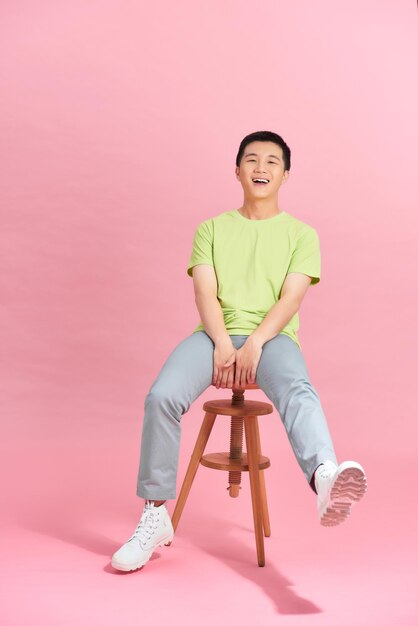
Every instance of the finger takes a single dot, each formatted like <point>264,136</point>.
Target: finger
<point>224,378</point>
<point>220,376</point>
<point>237,376</point>
<point>231,376</point>
<point>243,377</point>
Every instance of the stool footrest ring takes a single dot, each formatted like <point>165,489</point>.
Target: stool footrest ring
<point>222,461</point>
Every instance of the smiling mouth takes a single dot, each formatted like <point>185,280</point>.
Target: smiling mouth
<point>259,182</point>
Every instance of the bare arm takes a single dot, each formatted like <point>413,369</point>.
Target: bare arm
<point>293,291</point>
<point>248,356</point>
<point>206,297</point>
<point>206,289</point>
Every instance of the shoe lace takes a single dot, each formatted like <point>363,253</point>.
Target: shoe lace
<point>322,476</point>
<point>326,472</point>
<point>147,525</point>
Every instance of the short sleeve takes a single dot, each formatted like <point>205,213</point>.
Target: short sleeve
<point>306,257</point>
<point>202,250</point>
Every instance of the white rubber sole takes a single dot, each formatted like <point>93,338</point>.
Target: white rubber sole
<point>349,487</point>
<point>127,567</point>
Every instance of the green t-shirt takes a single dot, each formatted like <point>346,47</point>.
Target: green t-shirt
<point>251,259</point>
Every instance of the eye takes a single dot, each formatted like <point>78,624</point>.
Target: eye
<point>253,160</point>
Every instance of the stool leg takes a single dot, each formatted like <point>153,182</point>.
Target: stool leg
<point>199,448</point>
<point>254,471</point>
<point>264,507</point>
<point>235,452</point>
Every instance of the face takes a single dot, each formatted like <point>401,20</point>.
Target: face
<point>261,159</point>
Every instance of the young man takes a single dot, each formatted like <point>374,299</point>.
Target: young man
<point>251,269</point>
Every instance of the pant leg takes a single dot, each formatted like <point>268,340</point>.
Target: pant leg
<point>282,375</point>
<point>186,373</point>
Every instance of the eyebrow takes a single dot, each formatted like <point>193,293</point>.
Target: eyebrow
<point>270,155</point>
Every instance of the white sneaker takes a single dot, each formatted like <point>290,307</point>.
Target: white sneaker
<point>154,529</point>
<point>338,488</point>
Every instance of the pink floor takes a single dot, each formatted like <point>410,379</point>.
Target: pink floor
<point>69,502</point>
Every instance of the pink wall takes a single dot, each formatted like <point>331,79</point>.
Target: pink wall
<point>120,122</point>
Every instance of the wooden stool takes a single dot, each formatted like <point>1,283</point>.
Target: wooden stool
<point>242,412</point>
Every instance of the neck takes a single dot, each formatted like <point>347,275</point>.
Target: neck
<point>259,209</point>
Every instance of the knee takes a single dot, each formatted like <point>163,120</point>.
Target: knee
<point>166,402</point>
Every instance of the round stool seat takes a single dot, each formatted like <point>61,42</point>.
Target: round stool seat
<point>222,461</point>
<point>227,407</point>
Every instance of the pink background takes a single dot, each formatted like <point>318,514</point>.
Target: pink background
<point>120,123</point>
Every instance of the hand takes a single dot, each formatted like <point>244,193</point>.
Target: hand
<point>223,364</point>
<point>246,362</point>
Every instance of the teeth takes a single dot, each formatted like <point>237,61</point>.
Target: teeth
<point>261,180</point>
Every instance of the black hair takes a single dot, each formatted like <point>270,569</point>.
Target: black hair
<point>265,135</point>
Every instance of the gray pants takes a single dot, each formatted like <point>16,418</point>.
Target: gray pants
<point>187,372</point>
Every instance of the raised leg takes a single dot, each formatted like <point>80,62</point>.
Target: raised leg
<point>282,375</point>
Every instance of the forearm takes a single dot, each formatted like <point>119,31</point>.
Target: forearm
<point>211,316</point>
<point>276,319</point>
